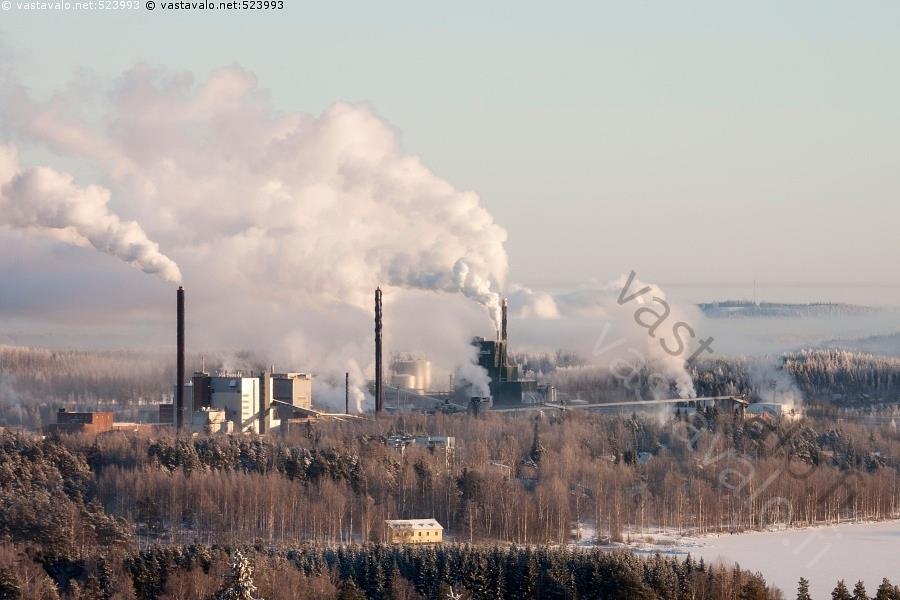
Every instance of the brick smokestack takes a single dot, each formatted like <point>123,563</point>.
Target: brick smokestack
<point>179,362</point>
<point>379,391</point>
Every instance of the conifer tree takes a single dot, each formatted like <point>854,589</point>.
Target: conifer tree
<point>886,591</point>
<point>240,581</point>
<point>754,589</point>
<point>803,590</point>
<point>859,591</point>
<point>350,591</point>
<point>840,591</point>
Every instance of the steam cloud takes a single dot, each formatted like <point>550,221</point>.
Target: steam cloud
<point>596,309</point>
<point>319,208</point>
<point>277,220</point>
<point>48,202</point>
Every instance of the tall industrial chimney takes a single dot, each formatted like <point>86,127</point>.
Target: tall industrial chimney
<point>179,363</point>
<point>504,306</point>
<point>379,392</point>
<point>346,393</point>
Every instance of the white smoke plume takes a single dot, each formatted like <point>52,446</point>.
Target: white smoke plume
<point>475,380</point>
<point>592,321</point>
<point>47,202</point>
<point>320,208</point>
<point>527,303</point>
<point>773,383</point>
<point>282,223</point>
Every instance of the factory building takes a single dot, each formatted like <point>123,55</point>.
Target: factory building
<point>80,422</point>
<point>211,420</point>
<point>773,410</point>
<point>234,403</point>
<point>507,388</point>
<point>292,388</point>
<point>245,401</point>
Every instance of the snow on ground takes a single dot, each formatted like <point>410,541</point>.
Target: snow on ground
<point>851,551</point>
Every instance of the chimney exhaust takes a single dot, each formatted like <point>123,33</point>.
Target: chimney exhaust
<point>379,392</point>
<point>179,362</point>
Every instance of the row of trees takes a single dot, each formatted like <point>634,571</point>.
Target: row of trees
<point>509,479</point>
<point>886,591</point>
<point>379,572</point>
<point>855,377</point>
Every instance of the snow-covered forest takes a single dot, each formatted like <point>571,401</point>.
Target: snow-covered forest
<point>336,483</point>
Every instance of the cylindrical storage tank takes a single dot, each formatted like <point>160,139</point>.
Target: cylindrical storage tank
<point>403,381</point>
<point>407,367</point>
<point>426,375</point>
<point>419,369</point>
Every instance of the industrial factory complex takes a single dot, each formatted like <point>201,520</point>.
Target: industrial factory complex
<point>268,402</point>
<point>235,403</point>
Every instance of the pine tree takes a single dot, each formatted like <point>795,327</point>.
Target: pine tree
<point>240,581</point>
<point>105,577</point>
<point>350,591</point>
<point>803,590</point>
<point>754,589</point>
<point>885,591</point>
<point>91,589</point>
<point>840,591</point>
<point>475,573</point>
<point>859,591</point>
<point>398,586</point>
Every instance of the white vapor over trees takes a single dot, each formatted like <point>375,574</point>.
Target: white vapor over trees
<point>47,202</point>
<point>613,318</point>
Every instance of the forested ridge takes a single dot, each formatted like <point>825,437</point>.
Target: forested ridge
<point>80,510</point>
<point>134,516</point>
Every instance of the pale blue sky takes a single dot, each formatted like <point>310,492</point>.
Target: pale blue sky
<point>691,141</point>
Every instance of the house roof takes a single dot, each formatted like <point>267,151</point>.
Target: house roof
<point>413,524</point>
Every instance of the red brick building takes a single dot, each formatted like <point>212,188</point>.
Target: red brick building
<point>81,422</point>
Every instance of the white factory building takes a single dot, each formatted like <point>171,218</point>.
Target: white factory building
<point>235,403</point>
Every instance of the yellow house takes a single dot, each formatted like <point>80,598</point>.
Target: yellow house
<point>414,531</point>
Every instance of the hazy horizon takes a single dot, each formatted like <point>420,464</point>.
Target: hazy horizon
<point>534,153</point>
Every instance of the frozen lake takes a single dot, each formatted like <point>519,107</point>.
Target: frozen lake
<point>867,551</point>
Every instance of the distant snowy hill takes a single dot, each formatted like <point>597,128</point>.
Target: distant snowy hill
<point>729,309</point>
<point>884,345</point>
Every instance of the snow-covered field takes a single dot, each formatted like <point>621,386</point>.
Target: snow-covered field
<point>867,551</point>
